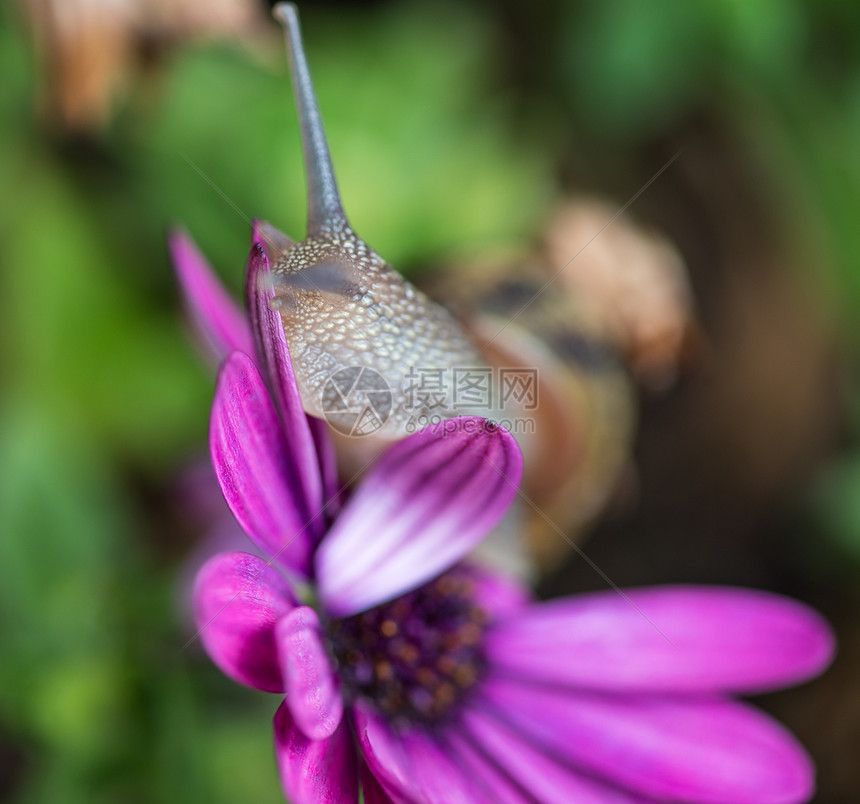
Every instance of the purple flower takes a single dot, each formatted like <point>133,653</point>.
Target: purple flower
<point>258,333</point>
<point>420,679</point>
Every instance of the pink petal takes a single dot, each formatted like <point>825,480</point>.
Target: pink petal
<point>383,752</point>
<point>691,750</point>
<point>491,747</point>
<point>411,766</point>
<point>255,469</point>
<point>313,695</point>
<point>271,343</point>
<point>238,598</point>
<point>498,783</point>
<point>315,772</point>
<point>216,315</point>
<point>498,594</point>
<point>428,500</point>
<point>371,789</point>
<point>275,243</point>
<point>671,639</point>
<point>327,459</point>
<point>277,368</point>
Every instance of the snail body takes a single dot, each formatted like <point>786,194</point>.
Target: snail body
<point>349,308</point>
<point>345,309</point>
<point>342,305</point>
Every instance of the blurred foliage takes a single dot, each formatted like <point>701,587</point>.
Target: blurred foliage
<point>449,127</point>
<point>785,74</point>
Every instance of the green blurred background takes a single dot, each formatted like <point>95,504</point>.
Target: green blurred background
<point>455,128</point>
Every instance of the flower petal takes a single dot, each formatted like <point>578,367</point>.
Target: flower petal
<point>277,368</point>
<point>671,639</point>
<point>216,315</point>
<point>693,750</point>
<point>327,459</point>
<point>312,689</point>
<point>371,789</point>
<point>411,767</point>
<point>497,593</point>
<point>275,243</point>
<point>238,598</point>
<point>492,747</point>
<point>497,785</point>
<point>255,469</point>
<point>428,501</point>
<point>315,772</point>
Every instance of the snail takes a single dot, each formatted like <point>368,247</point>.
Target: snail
<point>358,330</point>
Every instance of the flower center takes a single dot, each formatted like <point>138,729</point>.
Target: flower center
<point>415,657</point>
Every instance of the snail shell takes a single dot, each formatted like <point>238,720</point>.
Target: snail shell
<point>591,315</point>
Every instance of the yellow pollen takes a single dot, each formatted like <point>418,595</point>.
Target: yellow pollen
<point>479,616</point>
<point>415,658</point>
<point>425,676</point>
<point>446,664</point>
<point>384,671</point>
<point>445,694</point>
<point>465,675</point>
<point>470,633</point>
<point>408,653</point>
